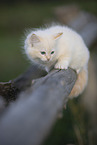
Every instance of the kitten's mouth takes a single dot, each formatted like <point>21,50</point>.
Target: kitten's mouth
<point>46,61</point>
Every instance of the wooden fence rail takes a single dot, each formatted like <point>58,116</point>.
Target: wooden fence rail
<point>30,118</point>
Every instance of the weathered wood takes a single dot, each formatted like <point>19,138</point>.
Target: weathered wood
<point>10,90</point>
<point>25,80</point>
<point>89,33</point>
<point>30,118</point>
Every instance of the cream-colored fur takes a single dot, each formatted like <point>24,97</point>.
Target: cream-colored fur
<point>61,47</point>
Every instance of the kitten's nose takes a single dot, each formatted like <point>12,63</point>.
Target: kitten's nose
<point>48,58</point>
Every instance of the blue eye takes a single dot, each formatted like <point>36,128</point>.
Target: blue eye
<point>43,52</point>
<point>52,52</point>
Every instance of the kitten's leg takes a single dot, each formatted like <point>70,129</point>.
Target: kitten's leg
<point>63,63</point>
<point>47,69</point>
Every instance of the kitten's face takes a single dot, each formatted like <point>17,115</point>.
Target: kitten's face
<point>44,51</point>
<point>41,49</point>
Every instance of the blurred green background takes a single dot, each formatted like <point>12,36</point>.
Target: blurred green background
<point>15,18</point>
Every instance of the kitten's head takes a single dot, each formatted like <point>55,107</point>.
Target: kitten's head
<point>42,49</point>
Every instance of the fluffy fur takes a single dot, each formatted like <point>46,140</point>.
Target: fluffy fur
<point>61,47</point>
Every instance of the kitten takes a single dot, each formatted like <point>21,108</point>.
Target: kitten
<point>61,47</point>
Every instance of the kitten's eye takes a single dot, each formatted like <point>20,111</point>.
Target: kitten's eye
<point>52,52</point>
<point>43,52</point>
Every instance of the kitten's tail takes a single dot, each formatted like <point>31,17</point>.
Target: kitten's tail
<point>80,83</point>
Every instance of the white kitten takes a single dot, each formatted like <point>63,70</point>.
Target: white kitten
<point>61,47</point>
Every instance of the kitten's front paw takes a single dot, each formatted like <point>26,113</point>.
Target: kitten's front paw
<point>61,65</point>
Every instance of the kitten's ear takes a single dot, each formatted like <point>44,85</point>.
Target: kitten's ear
<point>34,39</point>
<point>56,36</point>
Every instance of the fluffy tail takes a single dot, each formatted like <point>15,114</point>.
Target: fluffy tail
<point>80,83</point>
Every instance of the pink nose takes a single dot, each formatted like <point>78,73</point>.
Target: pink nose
<point>48,59</point>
